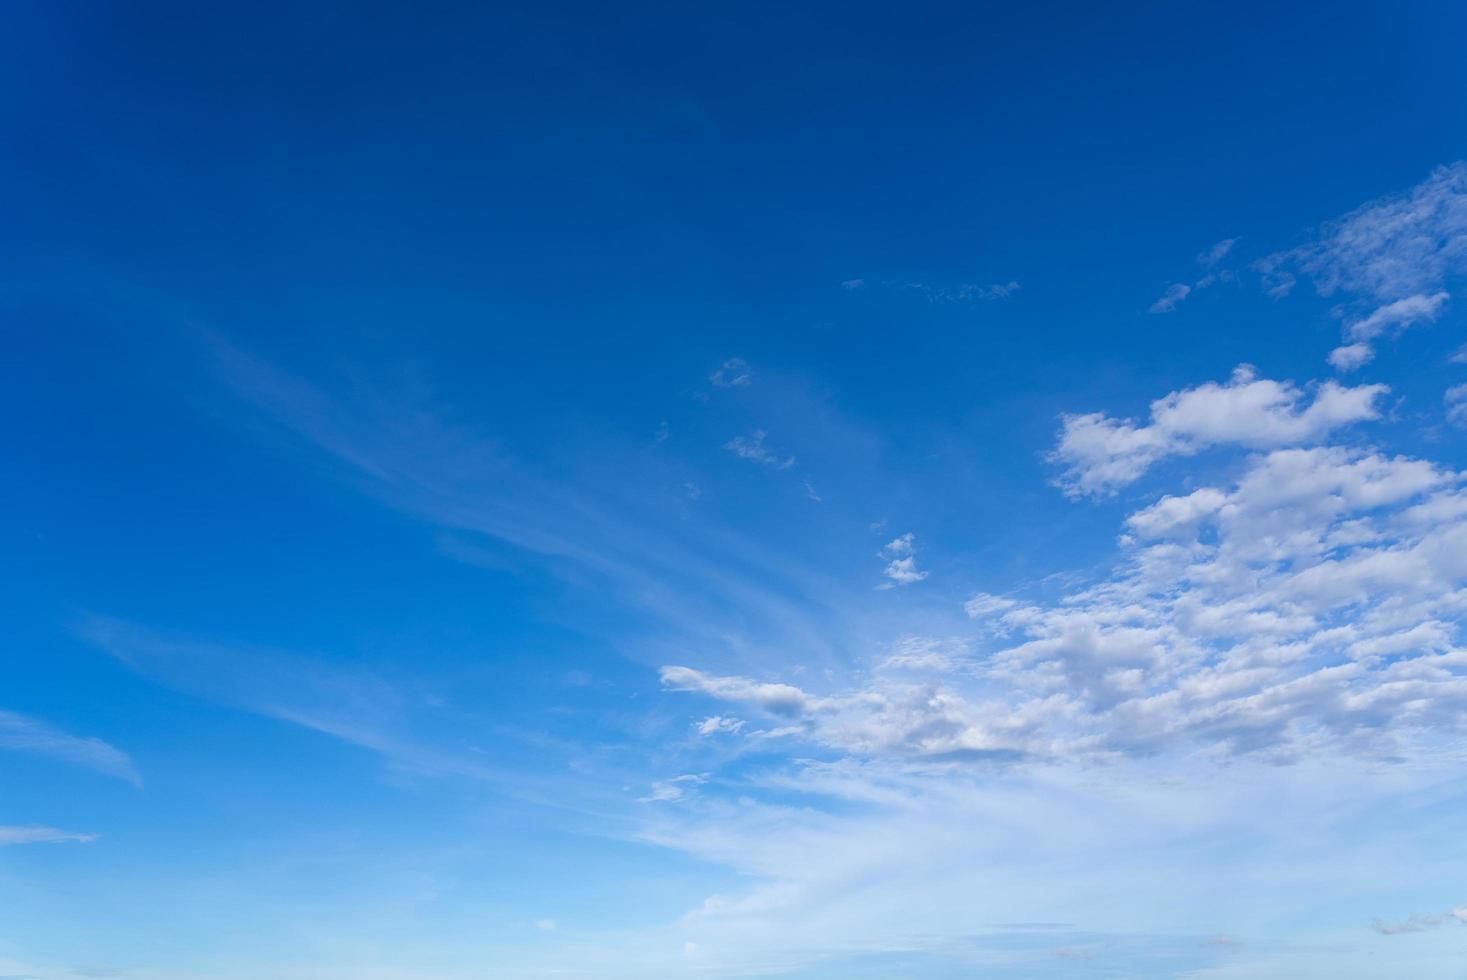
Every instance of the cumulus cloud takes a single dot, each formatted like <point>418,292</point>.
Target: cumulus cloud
<point>1391,257</point>
<point>1350,357</point>
<point>1309,607</point>
<point>1101,453</point>
<point>901,567</point>
<point>752,448</point>
<point>41,835</point>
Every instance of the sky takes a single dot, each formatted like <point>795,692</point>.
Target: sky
<point>759,490</point>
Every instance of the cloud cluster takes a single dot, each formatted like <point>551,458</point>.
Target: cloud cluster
<point>1391,257</point>
<point>955,293</point>
<point>1309,606</point>
<point>1100,453</point>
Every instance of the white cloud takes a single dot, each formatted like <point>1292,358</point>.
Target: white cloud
<point>1456,402</point>
<point>674,790</point>
<point>22,734</point>
<point>1216,253</point>
<point>1399,314</point>
<point>1101,453</point>
<point>1391,256</point>
<point>984,605</point>
<point>1349,357</point>
<point>1170,299</point>
<point>732,373</point>
<point>751,447</point>
<point>1309,607</point>
<point>717,724</point>
<point>41,835</point>
<point>925,653</point>
<point>901,555</point>
<point>1420,923</point>
<point>777,699</point>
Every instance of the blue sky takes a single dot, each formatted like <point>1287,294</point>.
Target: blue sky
<point>763,490</point>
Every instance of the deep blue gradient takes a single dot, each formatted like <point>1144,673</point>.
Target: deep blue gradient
<point>368,451</point>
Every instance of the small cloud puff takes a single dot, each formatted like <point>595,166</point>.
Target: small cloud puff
<point>752,448</point>
<point>717,724</point>
<point>675,789</point>
<point>732,373</point>
<point>901,558</point>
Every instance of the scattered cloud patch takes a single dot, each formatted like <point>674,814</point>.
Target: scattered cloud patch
<point>1398,316</point>
<point>1392,257</point>
<point>1101,453</point>
<point>901,556</point>
<point>1420,923</point>
<point>1219,251</point>
<point>776,699</point>
<point>1209,259</point>
<point>1351,357</point>
<point>963,293</point>
<point>1170,299</point>
<point>1456,402</point>
<point>719,725</point>
<point>752,448</point>
<point>732,373</point>
<point>675,789</point>
<point>1307,609</point>
<point>41,835</point>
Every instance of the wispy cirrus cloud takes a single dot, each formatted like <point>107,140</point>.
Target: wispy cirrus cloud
<point>19,733</point>
<point>42,835</point>
<point>941,293</point>
<point>732,373</point>
<point>347,703</point>
<point>1209,259</point>
<point>1171,298</point>
<point>1391,259</point>
<point>1420,923</point>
